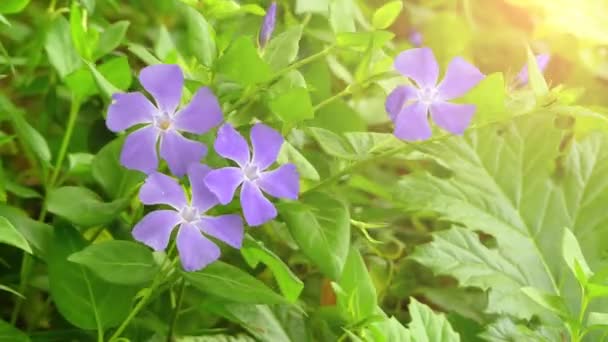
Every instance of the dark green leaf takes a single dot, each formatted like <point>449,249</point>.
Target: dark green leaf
<point>9,333</point>
<point>118,262</point>
<point>11,236</point>
<point>116,180</point>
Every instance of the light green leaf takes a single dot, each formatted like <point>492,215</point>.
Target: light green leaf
<point>60,49</point>
<point>342,15</point>
<point>312,6</point>
<point>428,326</point>
<point>11,236</point>
<point>550,302</point>
<point>283,49</point>
<point>13,6</point>
<point>489,98</point>
<point>31,137</point>
<point>355,145</point>
<point>597,318</point>
<point>83,299</point>
<point>512,182</point>
<point>359,298</point>
<point>201,37</point>
<point>233,284</point>
<point>105,86</point>
<point>20,190</point>
<point>114,75</point>
<point>254,252</point>
<point>290,154</point>
<point>536,78</point>
<point>89,210</point>
<point>504,329</point>
<point>320,225</point>
<point>111,38</point>
<point>387,14</point>
<point>37,234</point>
<point>142,53</point>
<point>574,257</point>
<point>118,262</point>
<point>12,291</point>
<point>293,105</point>
<point>84,38</point>
<point>242,63</point>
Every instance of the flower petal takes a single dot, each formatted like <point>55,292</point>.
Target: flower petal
<point>452,117</point>
<point>223,182</point>
<point>201,114</point>
<point>195,250</point>
<point>412,123</point>
<point>542,61</point>
<point>139,150</point>
<point>460,77</point>
<point>266,144</point>
<point>268,25</point>
<point>202,198</point>
<point>231,144</point>
<point>282,182</point>
<point>256,208</point>
<point>165,83</point>
<point>180,152</point>
<point>154,229</point>
<point>227,228</point>
<point>129,109</point>
<point>420,65</point>
<point>396,100</point>
<point>162,189</point>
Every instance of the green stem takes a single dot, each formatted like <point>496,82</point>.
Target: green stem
<point>26,268</point>
<point>178,305</point>
<point>65,143</point>
<point>345,92</point>
<point>156,282</point>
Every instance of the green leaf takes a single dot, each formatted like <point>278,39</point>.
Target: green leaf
<point>89,210</point>
<point>60,49</point>
<point>233,284</point>
<point>36,233</point>
<point>116,180</point>
<point>118,262</point>
<point>536,78</point>
<point>20,190</point>
<point>597,318</point>
<point>201,37</point>
<point>32,138</point>
<point>312,6</point>
<point>9,333</point>
<point>114,75</point>
<point>511,182</point>
<point>428,326</point>
<point>354,145</point>
<point>84,38</point>
<point>504,329</point>
<point>289,154</point>
<point>574,257</point>
<point>320,225</point>
<point>283,49</point>
<point>359,298</point>
<point>241,63</point>
<point>83,299</point>
<point>104,85</point>
<point>111,38</point>
<point>12,6</point>
<point>386,15</point>
<point>342,15</point>
<point>550,302</point>
<point>489,98</point>
<point>12,291</point>
<point>363,41</point>
<point>254,252</point>
<point>142,53</point>
<point>11,236</point>
<point>293,105</point>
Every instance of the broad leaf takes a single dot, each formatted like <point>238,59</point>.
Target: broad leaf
<point>428,326</point>
<point>283,49</point>
<point>116,180</point>
<point>118,262</point>
<point>9,333</point>
<point>83,207</point>
<point>359,298</point>
<point>11,236</point>
<point>241,63</point>
<point>201,37</point>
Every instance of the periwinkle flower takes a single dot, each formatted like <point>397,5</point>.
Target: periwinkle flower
<point>542,61</point>
<point>195,250</point>
<point>251,172</point>
<point>415,38</point>
<point>268,25</point>
<point>163,122</point>
<point>409,106</point>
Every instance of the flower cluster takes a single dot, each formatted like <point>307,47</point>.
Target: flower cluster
<point>160,133</point>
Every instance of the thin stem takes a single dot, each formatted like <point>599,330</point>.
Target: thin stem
<point>26,267</point>
<point>178,305</point>
<point>345,92</point>
<point>144,300</point>
<point>65,143</point>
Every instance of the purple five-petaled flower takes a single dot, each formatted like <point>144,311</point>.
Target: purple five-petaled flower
<point>542,61</point>
<point>408,106</point>
<point>282,182</point>
<point>195,250</point>
<point>163,122</point>
<point>268,25</point>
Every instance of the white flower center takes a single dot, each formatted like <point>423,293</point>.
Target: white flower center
<point>163,121</point>
<point>189,214</point>
<point>251,172</point>
<point>427,95</point>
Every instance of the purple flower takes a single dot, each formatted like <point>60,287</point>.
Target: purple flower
<point>163,122</point>
<point>542,60</point>
<point>268,25</point>
<point>195,250</point>
<point>281,182</point>
<point>415,38</point>
<point>408,106</point>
